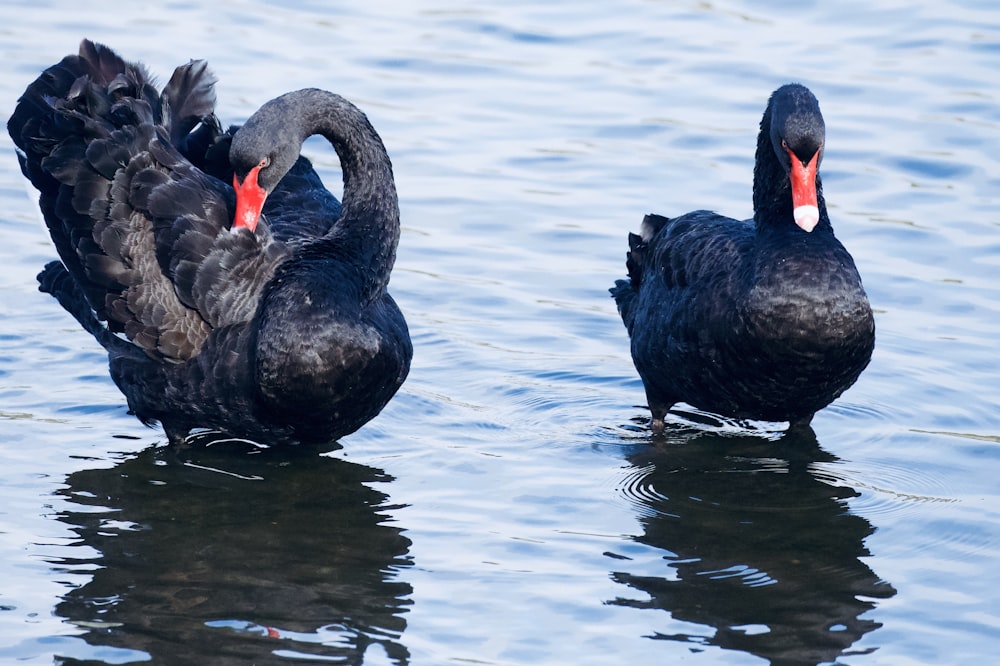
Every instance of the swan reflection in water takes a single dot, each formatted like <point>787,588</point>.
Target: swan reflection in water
<point>209,557</point>
<point>759,545</point>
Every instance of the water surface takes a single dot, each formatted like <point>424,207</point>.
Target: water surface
<point>510,506</point>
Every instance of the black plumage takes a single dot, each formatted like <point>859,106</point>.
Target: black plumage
<point>278,330</point>
<point>758,319</point>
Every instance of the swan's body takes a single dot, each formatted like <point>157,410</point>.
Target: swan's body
<point>758,319</point>
<point>279,330</point>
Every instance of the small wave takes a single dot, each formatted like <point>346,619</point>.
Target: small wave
<point>637,489</point>
<point>885,487</point>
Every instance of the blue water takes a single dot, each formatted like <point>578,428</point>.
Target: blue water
<point>510,506</point>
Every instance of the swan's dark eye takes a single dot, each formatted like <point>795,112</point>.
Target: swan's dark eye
<point>264,163</point>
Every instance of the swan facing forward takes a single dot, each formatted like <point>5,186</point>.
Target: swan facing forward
<point>758,319</point>
<point>258,310</point>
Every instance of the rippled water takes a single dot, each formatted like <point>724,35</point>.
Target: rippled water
<point>510,506</point>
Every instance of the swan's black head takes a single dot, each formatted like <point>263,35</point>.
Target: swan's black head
<point>261,153</point>
<point>796,123</point>
<point>797,134</point>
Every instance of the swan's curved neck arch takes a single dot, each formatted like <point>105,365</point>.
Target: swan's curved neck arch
<point>368,230</point>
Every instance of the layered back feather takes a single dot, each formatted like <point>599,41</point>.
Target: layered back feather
<point>140,229</point>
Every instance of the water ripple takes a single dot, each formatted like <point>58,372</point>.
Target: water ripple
<point>887,486</point>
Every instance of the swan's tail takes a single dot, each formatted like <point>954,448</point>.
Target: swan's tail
<point>626,292</point>
<point>56,280</point>
<point>625,297</point>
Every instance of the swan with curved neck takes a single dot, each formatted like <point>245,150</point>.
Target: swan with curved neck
<point>268,145</point>
<point>273,326</point>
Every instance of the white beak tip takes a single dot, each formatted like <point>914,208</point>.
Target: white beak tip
<point>806,217</point>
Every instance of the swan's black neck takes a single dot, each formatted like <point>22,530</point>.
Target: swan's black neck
<point>368,230</point>
<point>792,115</point>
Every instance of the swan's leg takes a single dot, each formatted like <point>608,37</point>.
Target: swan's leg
<point>176,437</point>
<point>801,424</point>
<point>659,412</point>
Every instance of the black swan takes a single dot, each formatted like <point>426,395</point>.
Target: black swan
<point>764,319</point>
<point>277,328</point>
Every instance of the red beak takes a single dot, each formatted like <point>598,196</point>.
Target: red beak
<point>803,177</point>
<point>249,200</point>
